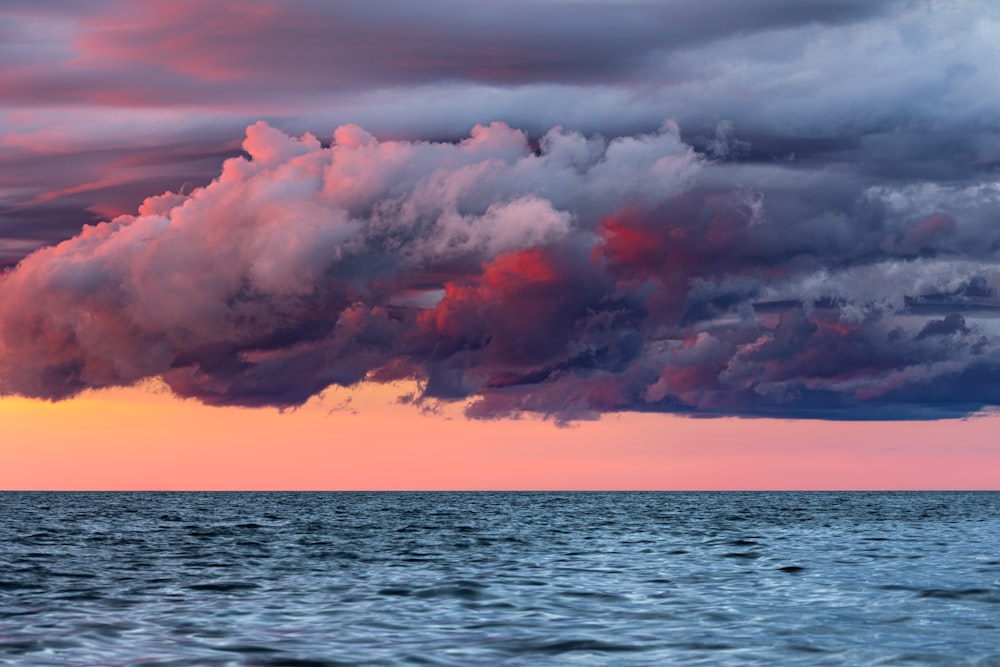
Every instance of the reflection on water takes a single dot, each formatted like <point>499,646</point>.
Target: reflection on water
<point>499,578</point>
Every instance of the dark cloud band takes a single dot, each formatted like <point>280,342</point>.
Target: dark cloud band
<point>569,278</point>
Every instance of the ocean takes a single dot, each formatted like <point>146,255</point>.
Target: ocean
<point>492,578</point>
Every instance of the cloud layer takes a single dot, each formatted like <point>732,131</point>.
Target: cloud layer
<point>812,233</point>
<point>569,277</point>
<point>899,87</point>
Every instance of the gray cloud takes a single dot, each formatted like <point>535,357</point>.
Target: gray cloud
<point>580,276</point>
<point>817,238</point>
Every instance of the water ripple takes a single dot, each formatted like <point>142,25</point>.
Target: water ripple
<point>308,579</point>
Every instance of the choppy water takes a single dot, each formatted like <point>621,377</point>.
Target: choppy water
<point>499,578</point>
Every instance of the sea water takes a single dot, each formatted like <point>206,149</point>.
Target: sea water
<point>499,578</point>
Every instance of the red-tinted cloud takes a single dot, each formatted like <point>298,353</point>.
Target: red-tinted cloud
<point>570,278</point>
<point>840,93</point>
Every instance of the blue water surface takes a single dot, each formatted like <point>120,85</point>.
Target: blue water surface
<point>312,579</point>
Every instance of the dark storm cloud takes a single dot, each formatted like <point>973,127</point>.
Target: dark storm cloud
<point>814,234</point>
<point>880,87</point>
<point>570,279</point>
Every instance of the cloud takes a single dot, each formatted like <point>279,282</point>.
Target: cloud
<point>224,53</point>
<point>568,276</point>
<point>891,92</point>
<point>380,43</point>
<point>811,234</point>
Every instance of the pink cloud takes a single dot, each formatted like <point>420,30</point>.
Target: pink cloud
<point>571,277</point>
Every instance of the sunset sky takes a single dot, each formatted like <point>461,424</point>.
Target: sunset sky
<point>557,244</point>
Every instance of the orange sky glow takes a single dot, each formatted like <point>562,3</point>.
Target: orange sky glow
<point>143,438</point>
<point>632,211</point>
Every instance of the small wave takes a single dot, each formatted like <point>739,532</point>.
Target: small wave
<point>555,647</point>
<point>702,646</point>
<point>979,594</point>
<point>223,586</point>
<point>297,662</point>
<point>248,648</point>
<point>466,590</point>
<point>595,595</point>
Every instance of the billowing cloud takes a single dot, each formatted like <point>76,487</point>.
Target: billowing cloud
<point>568,276</point>
<point>813,233</point>
<point>893,90</point>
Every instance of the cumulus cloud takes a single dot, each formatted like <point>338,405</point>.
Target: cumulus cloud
<point>568,276</point>
<point>890,91</point>
<point>812,234</point>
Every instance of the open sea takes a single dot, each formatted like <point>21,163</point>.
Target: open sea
<point>315,579</point>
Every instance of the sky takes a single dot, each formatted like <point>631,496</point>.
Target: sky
<point>548,244</point>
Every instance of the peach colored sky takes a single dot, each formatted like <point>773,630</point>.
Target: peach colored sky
<point>141,439</point>
<point>675,206</point>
